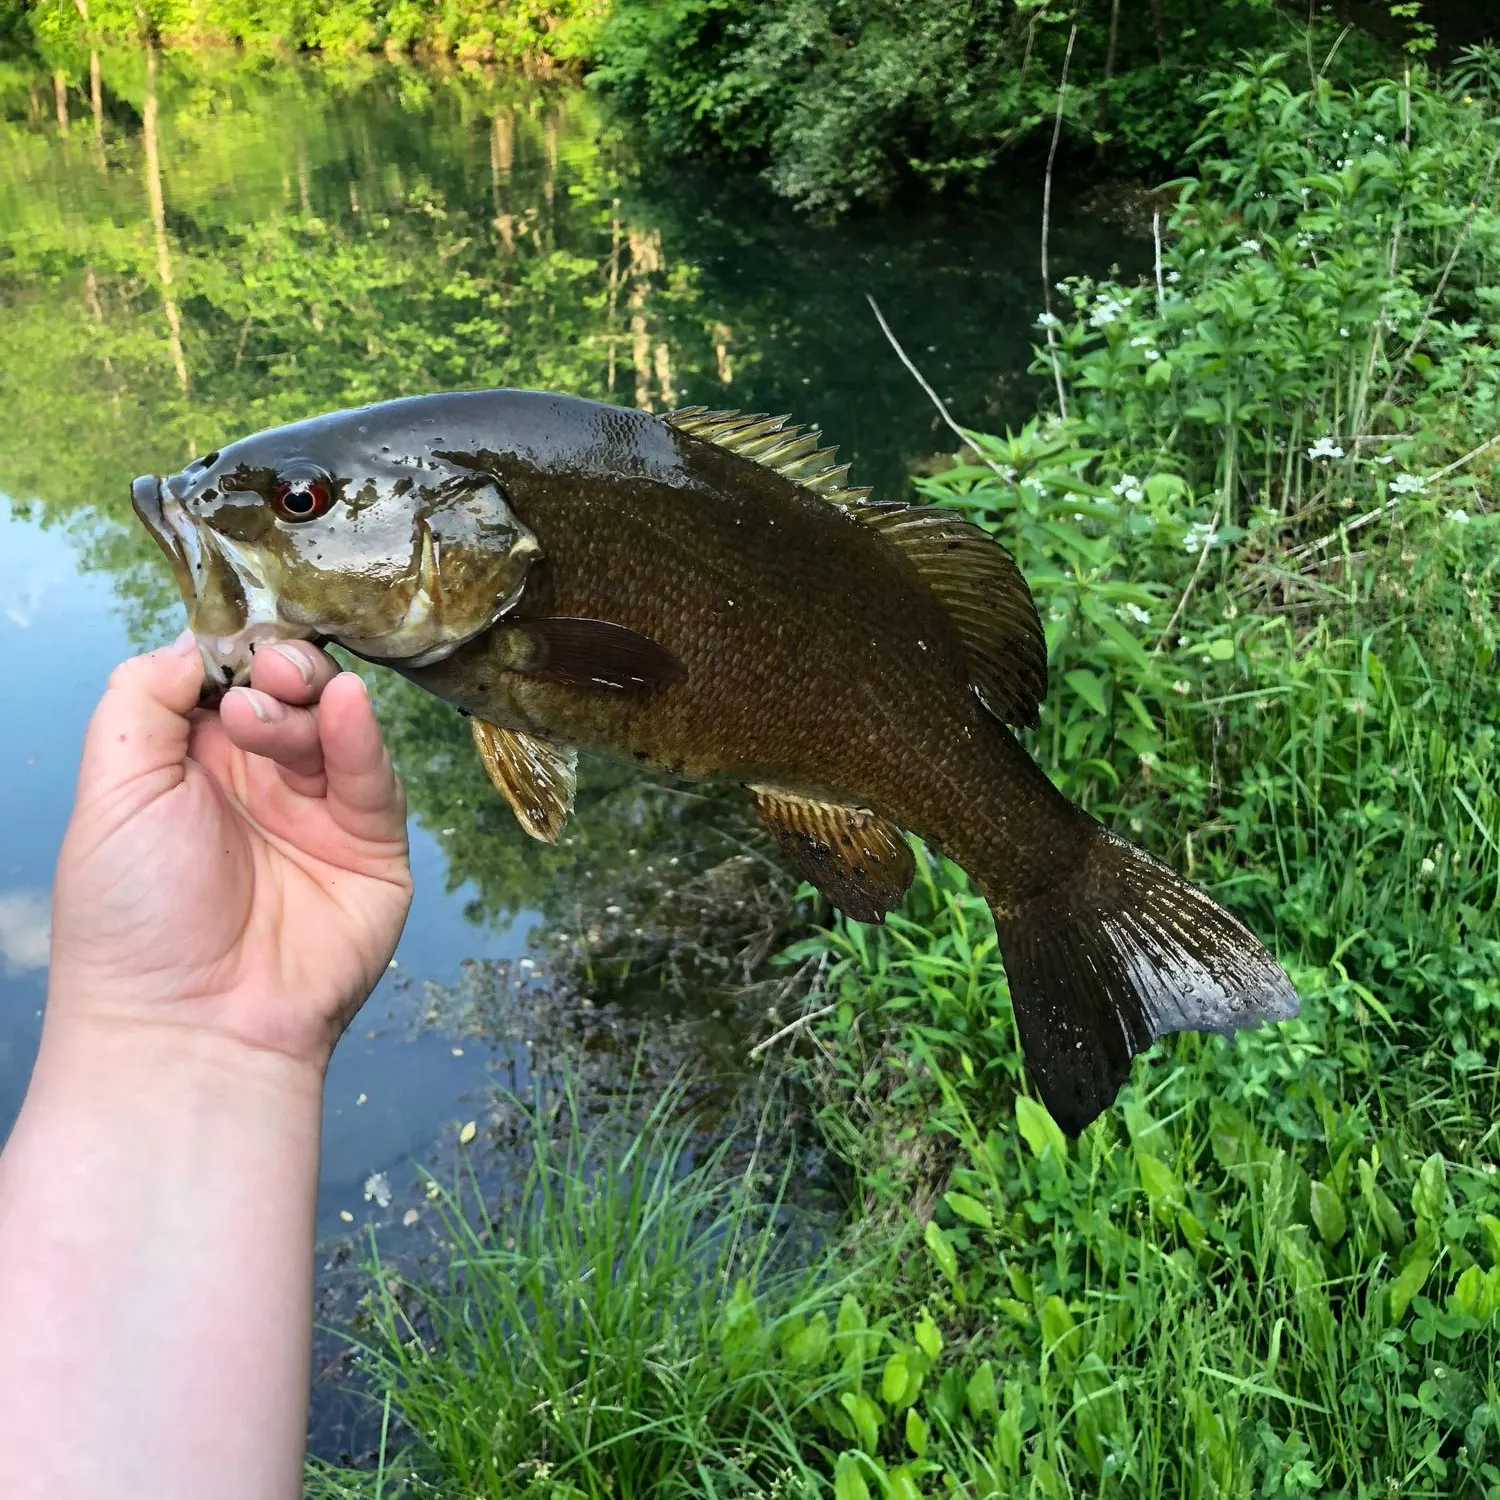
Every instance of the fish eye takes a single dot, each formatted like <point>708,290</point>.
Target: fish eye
<point>301,496</point>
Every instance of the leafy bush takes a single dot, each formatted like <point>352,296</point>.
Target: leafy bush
<point>844,101</point>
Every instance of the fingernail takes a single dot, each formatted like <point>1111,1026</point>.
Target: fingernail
<point>253,699</point>
<point>298,658</point>
<point>185,643</point>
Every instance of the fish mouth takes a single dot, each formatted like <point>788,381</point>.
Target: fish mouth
<point>202,564</point>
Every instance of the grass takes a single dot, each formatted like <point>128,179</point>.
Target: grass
<point>610,1332</point>
<point>1266,557</point>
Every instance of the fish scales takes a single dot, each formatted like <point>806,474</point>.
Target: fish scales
<point>705,595</point>
<point>815,659</point>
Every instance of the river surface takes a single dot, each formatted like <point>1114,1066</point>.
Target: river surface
<point>234,242</point>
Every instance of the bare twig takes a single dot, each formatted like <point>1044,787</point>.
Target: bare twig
<point>1192,583</point>
<point>805,1019</point>
<point>921,380</point>
<point>1161,289</point>
<point>1062,94</point>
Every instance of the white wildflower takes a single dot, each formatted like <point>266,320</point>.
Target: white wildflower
<point>1008,473</point>
<point>378,1187</point>
<point>1031,482</point>
<point>1048,320</point>
<point>1408,484</point>
<point>1325,447</point>
<point>1182,688</point>
<point>1153,354</point>
<point>1304,241</point>
<point>1459,516</point>
<point>1386,458</point>
<point>1057,616</point>
<point>1199,536</point>
<point>1141,341</point>
<point>1251,247</point>
<point>1174,277</point>
<point>1379,139</point>
<point>1343,333</point>
<point>1127,482</point>
<point>1107,310</point>
<point>1136,613</point>
<point>1428,867</point>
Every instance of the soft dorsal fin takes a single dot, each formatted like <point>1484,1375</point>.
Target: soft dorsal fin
<point>970,574</point>
<point>860,862</point>
<point>986,598</point>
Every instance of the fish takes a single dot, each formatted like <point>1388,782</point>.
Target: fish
<point>704,593</point>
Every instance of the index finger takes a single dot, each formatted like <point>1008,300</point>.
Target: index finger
<point>364,796</point>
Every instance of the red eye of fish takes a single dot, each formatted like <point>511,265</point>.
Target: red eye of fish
<point>301,499</point>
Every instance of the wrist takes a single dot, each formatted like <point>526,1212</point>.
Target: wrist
<point>111,1053</point>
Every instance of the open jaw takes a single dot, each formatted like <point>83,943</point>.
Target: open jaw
<point>230,609</point>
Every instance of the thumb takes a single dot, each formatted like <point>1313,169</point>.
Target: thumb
<point>140,728</point>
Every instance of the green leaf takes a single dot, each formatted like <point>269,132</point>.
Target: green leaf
<point>969,1208</point>
<point>849,1478</point>
<point>941,1249</point>
<point>1327,1213</point>
<point>1220,650</point>
<point>1059,1332</point>
<point>980,1394</point>
<point>916,1432</point>
<point>851,1328</point>
<point>1406,1284</point>
<point>1039,1130</point>
<point>1162,1185</point>
<point>1088,687</point>
<point>929,1340</point>
<point>865,1415</point>
<point>806,1348</point>
<point>893,1379</point>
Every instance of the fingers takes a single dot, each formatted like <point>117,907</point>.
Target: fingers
<point>141,724</point>
<point>262,725</point>
<point>293,671</point>
<point>364,795</point>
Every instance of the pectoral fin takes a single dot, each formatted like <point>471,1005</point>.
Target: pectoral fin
<point>589,653</point>
<point>860,862</point>
<point>535,776</point>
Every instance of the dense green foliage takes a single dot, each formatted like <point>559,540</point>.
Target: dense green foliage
<point>844,100</point>
<point>1264,546</point>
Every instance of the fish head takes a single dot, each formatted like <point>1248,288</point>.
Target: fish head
<point>344,528</point>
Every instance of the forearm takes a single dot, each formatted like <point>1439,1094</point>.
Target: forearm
<point>156,1248</point>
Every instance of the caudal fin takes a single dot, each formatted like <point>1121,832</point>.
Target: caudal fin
<point>1122,953</point>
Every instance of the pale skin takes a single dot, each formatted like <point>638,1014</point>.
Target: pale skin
<point>230,888</point>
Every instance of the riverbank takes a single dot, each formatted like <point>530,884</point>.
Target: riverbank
<point>1257,516</point>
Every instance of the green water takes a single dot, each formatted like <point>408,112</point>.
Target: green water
<point>238,242</point>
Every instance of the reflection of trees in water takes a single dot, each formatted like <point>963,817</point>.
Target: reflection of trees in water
<point>300,238</point>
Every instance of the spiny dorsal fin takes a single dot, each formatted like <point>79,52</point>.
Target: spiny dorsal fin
<point>972,576</point>
<point>791,451</point>
<point>860,862</point>
<point>535,776</point>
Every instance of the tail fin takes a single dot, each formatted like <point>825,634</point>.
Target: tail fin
<point>1121,953</point>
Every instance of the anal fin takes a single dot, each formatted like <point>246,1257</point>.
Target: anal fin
<point>859,861</point>
<point>535,776</point>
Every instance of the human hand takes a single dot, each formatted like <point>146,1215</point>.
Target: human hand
<point>241,875</point>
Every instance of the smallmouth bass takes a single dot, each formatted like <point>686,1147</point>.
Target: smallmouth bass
<point>703,593</point>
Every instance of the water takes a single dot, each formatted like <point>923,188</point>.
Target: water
<point>238,242</point>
